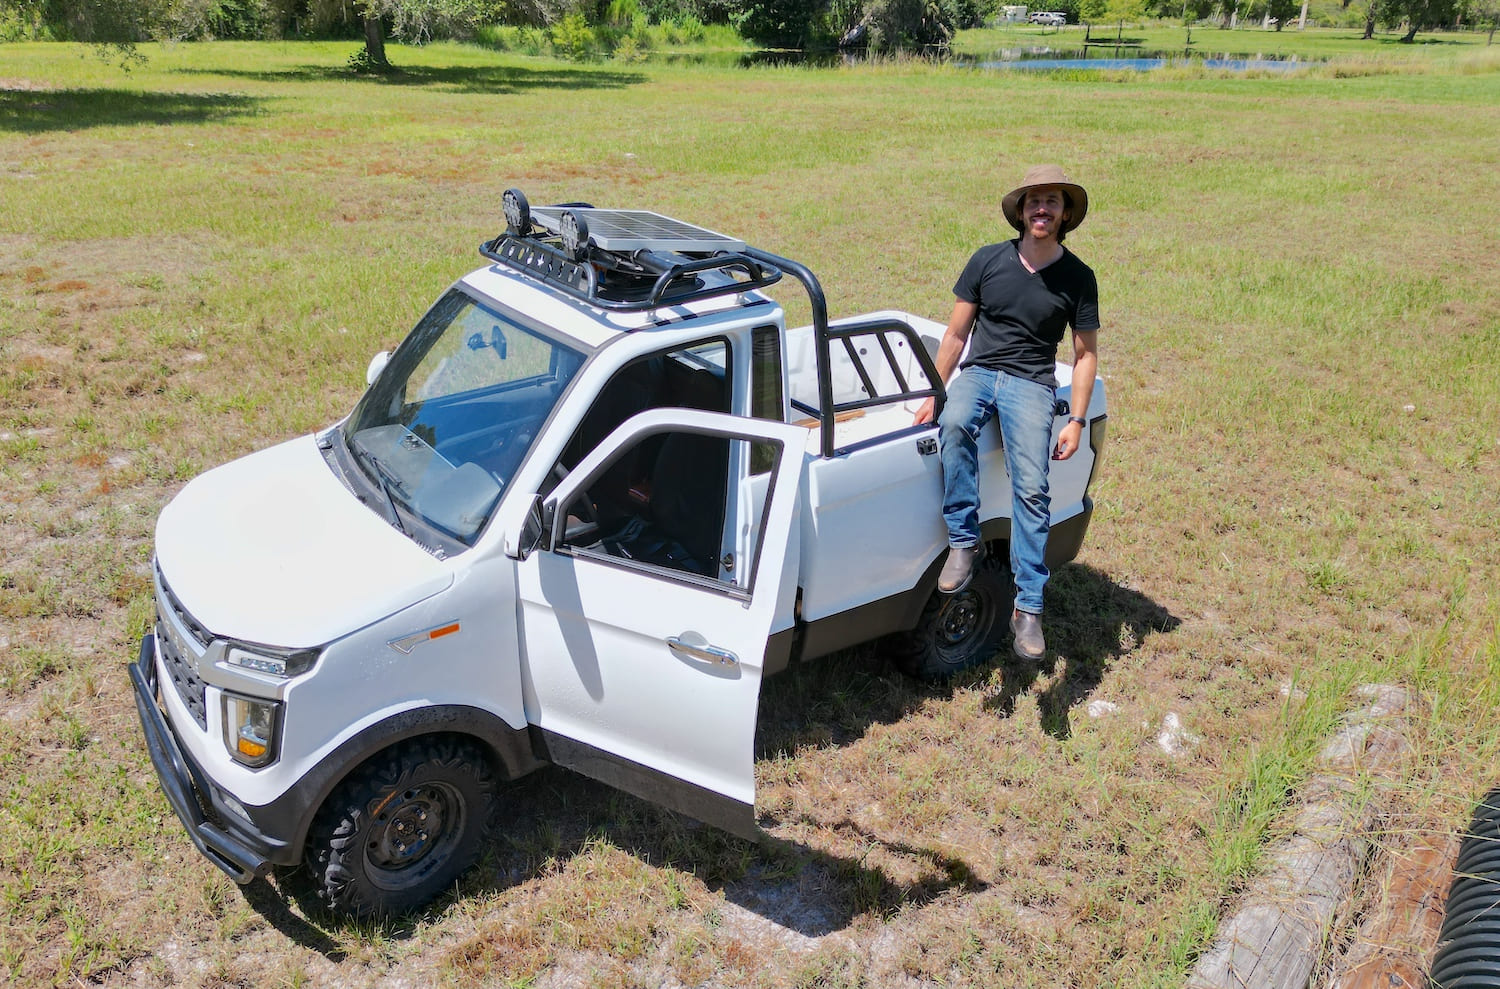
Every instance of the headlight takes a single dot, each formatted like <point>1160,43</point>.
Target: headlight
<point>264,659</point>
<point>251,726</point>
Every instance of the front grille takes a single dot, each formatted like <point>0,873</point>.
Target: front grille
<point>182,670</point>
<point>195,628</point>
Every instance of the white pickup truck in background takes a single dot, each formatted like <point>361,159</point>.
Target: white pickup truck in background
<point>591,500</point>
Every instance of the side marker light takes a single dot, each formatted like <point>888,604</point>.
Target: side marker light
<point>406,644</point>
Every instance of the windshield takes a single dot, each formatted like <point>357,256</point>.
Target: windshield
<point>444,427</point>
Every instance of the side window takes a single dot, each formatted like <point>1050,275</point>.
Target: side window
<point>671,515</point>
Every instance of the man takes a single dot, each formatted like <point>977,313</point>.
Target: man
<point>1016,298</point>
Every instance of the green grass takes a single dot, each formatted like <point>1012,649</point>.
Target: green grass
<point>1301,347</point>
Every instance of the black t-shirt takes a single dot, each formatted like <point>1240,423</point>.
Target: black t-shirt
<point>1023,315</point>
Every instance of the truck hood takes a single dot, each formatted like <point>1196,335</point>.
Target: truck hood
<point>273,549</point>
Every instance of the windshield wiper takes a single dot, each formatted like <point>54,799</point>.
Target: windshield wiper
<point>385,489</point>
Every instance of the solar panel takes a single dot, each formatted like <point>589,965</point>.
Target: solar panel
<point>635,229</point>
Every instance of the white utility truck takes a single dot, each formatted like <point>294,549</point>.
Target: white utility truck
<point>591,500</point>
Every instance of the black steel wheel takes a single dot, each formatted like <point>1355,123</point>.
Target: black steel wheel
<point>402,827</point>
<point>958,631</point>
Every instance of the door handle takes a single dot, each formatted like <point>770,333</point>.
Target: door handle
<point>704,653</point>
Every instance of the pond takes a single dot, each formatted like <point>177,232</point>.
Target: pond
<point>1091,57</point>
<point>1104,57</point>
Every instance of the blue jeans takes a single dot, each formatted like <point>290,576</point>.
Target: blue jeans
<point>1025,411</point>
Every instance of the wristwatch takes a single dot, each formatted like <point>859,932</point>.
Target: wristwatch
<point>1078,419</point>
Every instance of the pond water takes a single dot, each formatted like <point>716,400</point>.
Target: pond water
<point>1094,57</point>
<point>1098,57</point>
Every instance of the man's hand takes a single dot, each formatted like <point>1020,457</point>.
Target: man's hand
<point>1067,441</point>
<point>924,413</point>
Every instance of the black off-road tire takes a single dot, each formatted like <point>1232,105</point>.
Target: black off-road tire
<point>402,827</point>
<point>958,631</point>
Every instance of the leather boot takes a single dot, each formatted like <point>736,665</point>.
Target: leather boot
<point>1026,633</point>
<point>958,570</point>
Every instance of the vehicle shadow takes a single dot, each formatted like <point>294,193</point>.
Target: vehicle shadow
<point>491,79</point>
<point>557,822</point>
<point>32,111</point>
<point>274,900</point>
<point>555,817</point>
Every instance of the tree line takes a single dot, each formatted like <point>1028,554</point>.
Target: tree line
<point>879,26</point>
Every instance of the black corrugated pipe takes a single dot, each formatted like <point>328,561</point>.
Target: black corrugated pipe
<point>1468,954</point>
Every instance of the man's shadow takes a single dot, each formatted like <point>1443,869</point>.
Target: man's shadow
<point>1090,622</point>
<point>554,815</point>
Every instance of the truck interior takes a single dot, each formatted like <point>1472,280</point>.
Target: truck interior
<point>663,499</point>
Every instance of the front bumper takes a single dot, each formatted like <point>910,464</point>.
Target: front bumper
<point>243,856</point>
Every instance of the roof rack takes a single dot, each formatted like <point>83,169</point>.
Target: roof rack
<point>622,260</point>
<point>632,261</point>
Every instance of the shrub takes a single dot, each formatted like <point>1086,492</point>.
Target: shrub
<point>573,38</point>
<point>622,13</point>
<point>629,50</point>
<point>509,38</point>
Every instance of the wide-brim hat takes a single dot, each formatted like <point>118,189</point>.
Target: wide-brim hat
<point>1040,175</point>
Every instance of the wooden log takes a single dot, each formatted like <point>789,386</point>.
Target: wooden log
<point>1275,938</point>
<point>1395,943</point>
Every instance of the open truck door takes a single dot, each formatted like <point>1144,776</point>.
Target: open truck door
<point>648,590</point>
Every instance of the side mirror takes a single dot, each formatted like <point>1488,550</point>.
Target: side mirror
<point>377,364</point>
<point>533,530</point>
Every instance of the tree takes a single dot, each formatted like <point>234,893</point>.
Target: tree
<point>123,23</point>
<point>908,25</point>
<point>419,21</point>
<point>1486,12</point>
<point>1119,11</point>
<point>879,25</point>
<point>1416,14</point>
<point>372,57</point>
<point>785,23</point>
<point>1188,11</point>
<point>1281,11</point>
<point>117,22</point>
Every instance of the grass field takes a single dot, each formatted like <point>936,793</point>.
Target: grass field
<point>1302,350</point>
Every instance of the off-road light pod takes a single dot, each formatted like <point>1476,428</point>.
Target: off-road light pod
<point>251,726</point>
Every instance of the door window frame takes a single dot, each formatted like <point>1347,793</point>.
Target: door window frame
<point>639,428</point>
